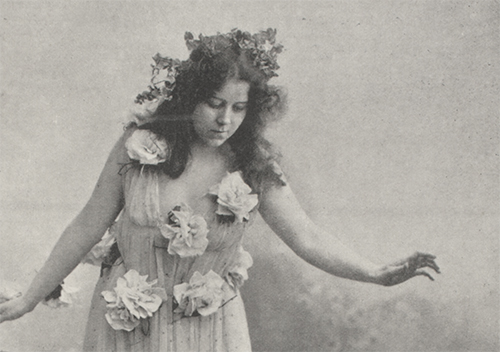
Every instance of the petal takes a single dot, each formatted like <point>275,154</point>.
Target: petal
<point>214,190</point>
<point>160,292</point>
<point>109,296</point>
<point>210,308</point>
<point>132,277</point>
<point>224,210</point>
<point>179,291</point>
<point>214,279</point>
<point>197,279</point>
<point>168,231</point>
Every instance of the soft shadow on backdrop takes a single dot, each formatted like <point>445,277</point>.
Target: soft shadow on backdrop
<point>390,140</point>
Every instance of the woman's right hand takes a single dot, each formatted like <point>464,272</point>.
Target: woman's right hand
<point>14,309</point>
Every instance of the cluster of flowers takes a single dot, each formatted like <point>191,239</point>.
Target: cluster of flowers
<point>134,298</point>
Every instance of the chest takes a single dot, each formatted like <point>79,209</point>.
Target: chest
<point>192,187</point>
<point>151,194</point>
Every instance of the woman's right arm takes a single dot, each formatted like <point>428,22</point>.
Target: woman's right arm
<point>79,237</point>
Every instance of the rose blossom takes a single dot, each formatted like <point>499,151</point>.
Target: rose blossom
<point>187,232</point>
<point>145,146</point>
<point>101,249</point>
<point>132,299</point>
<point>233,197</point>
<point>65,299</point>
<point>237,272</point>
<point>203,294</point>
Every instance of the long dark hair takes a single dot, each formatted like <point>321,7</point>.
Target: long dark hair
<point>204,73</point>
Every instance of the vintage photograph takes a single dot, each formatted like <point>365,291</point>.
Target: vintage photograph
<point>249,176</point>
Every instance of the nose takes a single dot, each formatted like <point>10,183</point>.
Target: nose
<point>224,117</point>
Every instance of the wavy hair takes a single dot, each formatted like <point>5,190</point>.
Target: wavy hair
<point>204,73</point>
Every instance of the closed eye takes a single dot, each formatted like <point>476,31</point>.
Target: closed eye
<point>215,103</point>
<point>239,107</point>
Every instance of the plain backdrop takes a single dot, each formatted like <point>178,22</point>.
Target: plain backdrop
<point>390,142</point>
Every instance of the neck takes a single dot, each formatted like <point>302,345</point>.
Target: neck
<point>202,150</point>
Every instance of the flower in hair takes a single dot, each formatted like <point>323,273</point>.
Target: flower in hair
<point>146,147</point>
<point>164,73</point>
<point>186,231</point>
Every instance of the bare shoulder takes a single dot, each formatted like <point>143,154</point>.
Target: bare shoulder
<point>118,154</point>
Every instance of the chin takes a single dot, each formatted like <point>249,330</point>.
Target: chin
<point>214,143</point>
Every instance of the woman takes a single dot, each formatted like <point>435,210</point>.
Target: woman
<point>177,193</point>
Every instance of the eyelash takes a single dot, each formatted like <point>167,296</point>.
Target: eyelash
<point>221,105</point>
<point>239,108</point>
<point>215,105</point>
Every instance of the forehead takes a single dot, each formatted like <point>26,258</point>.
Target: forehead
<point>233,91</point>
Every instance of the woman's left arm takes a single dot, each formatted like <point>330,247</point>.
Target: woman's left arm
<point>284,215</point>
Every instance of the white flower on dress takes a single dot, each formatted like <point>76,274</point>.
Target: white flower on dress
<point>62,296</point>
<point>132,299</point>
<point>203,294</point>
<point>8,291</point>
<point>146,147</point>
<point>234,198</point>
<point>101,249</point>
<point>186,231</point>
<point>237,272</point>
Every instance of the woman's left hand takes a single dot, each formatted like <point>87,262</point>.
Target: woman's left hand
<point>402,270</point>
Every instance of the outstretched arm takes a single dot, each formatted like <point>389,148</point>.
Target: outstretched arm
<point>282,212</point>
<point>79,237</point>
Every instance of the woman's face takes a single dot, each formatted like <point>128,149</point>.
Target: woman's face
<point>216,119</point>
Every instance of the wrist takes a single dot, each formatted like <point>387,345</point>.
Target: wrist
<point>27,303</point>
<point>375,274</point>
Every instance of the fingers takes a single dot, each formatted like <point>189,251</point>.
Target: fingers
<point>423,273</point>
<point>424,255</point>
<point>430,264</point>
<point>416,258</point>
<point>426,260</point>
<point>420,260</point>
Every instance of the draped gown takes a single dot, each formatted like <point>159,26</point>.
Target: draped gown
<point>144,249</point>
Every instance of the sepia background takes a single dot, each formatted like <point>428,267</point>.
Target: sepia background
<point>390,141</point>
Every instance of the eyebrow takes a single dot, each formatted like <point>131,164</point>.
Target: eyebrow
<point>238,102</point>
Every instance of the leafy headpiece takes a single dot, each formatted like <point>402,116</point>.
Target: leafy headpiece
<point>261,47</point>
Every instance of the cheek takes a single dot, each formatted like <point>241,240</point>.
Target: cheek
<point>202,118</point>
<point>238,121</point>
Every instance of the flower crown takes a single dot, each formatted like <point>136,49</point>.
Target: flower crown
<point>162,81</point>
<point>261,46</point>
